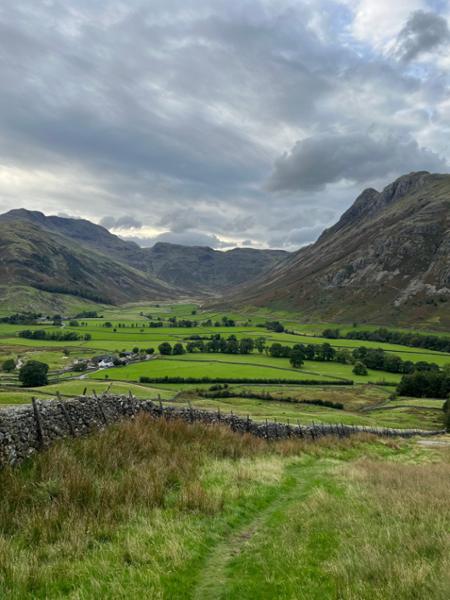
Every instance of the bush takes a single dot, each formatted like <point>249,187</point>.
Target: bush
<point>33,373</point>
<point>9,365</point>
<point>165,348</point>
<point>360,368</point>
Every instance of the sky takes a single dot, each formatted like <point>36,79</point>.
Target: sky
<point>218,122</point>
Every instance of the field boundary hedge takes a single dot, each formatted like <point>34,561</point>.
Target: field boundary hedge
<point>272,380</point>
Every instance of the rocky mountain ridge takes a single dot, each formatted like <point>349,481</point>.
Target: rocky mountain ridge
<point>386,260</point>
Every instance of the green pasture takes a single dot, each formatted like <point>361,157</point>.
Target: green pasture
<point>284,412</point>
<point>170,367</point>
<point>330,370</point>
<point>358,400</point>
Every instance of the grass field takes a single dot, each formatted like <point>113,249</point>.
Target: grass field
<point>170,510</point>
<point>131,329</point>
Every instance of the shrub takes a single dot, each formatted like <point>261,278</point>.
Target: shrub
<point>33,374</point>
<point>360,368</point>
<point>9,365</point>
<point>165,348</point>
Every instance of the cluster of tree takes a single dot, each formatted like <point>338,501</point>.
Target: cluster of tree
<point>414,340</point>
<point>54,336</point>
<point>166,349</point>
<point>33,373</point>
<point>88,314</point>
<point>231,345</point>
<point>425,384</point>
<point>272,326</point>
<point>137,350</point>
<point>174,322</point>
<point>25,318</point>
<point>378,359</point>
<point>298,353</point>
<point>226,322</point>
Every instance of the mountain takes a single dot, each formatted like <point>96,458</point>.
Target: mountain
<point>33,256</point>
<point>387,260</point>
<point>202,270</point>
<point>79,258</point>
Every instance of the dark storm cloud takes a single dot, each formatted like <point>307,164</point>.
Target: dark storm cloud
<point>176,112</point>
<point>423,32</point>
<point>314,162</point>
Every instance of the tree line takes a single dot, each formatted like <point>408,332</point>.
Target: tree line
<point>428,384</point>
<point>362,358</point>
<point>54,336</point>
<point>390,336</point>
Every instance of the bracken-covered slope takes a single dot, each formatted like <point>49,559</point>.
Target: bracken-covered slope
<point>77,257</point>
<point>387,260</point>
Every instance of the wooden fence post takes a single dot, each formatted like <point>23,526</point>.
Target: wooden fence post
<point>66,415</point>
<point>40,436</point>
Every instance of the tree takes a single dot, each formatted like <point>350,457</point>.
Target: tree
<point>327,351</point>
<point>360,368</point>
<point>178,349</point>
<point>165,348</point>
<point>246,345</point>
<point>9,365</point>
<point>310,352</point>
<point>260,344</point>
<point>150,350</point>
<point>344,356</point>
<point>33,374</point>
<point>135,350</point>
<point>446,409</point>
<point>296,358</point>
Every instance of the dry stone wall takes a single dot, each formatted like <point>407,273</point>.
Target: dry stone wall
<point>25,430</point>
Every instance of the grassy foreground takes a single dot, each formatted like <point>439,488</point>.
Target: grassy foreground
<point>150,509</point>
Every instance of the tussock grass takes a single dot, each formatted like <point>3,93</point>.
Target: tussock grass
<point>399,518</point>
<point>165,509</point>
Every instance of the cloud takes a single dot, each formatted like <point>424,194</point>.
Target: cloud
<point>178,111</point>
<point>188,238</point>
<point>423,32</point>
<point>124,222</point>
<point>325,159</point>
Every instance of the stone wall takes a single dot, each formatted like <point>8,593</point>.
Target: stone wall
<point>27,429</point>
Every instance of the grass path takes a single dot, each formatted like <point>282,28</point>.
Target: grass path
<point>302,478</point>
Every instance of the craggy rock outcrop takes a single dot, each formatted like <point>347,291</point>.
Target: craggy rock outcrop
<point>386,260</point>
<point>26,429</point>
